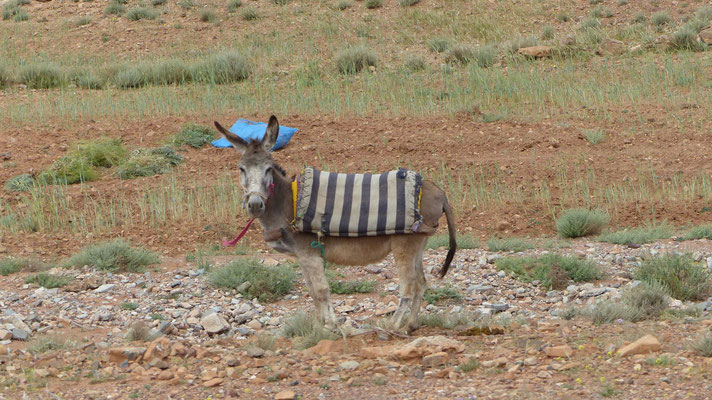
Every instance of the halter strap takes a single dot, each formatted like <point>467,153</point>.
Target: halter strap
<point>230,243</point>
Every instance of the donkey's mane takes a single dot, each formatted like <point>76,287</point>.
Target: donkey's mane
<point>279,169</point>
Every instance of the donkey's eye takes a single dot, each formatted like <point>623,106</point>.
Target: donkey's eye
<point>268,170</point>
<point>242,170</point>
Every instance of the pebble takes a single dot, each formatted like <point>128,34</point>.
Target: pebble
<point>105,288</point>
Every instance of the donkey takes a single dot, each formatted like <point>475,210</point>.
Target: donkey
<point>268,198</point>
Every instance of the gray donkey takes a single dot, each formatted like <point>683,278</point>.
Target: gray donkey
<point>269,198</point>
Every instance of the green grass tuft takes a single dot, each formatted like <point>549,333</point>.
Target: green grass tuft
<point>48,281</point>
<point>685,38</point>
<point>594,136</point>
<point>443,240</point>
<point>552,270</point>
<point>581,222</point>
<point>698,232</point>
<point>103,152</point>
<point>20,183</point>
<point>344,4</point>
<point>661,18</point>
<point>305,330</point>
<point>408,3</point>
<point>207,15</point>
<point>511,46</point>
<point>139,13</point>
<point>647,301</point>
<point>439,45</point>
<point>233,5</point>
<point>68,170</point>
<point>42,76</point>
<point>350,287</point>
<point>193,135</point>
<point>81,21</point>
<point>10,265</point>
<point>445,292</point>
<point>116,256</point>
<point>266,283</point>
<point>414,63</point>
<point>511,244</point>
<point>679,275</point>
<point>353,60</point>
<point>547,32</point>
<point>249,14</point>
<point>702,344</point>
<point>222,68</point>
<point>373,4</point>
<point>642,235</point>
<point>445,320</point>
<point>482,56</point>
<point>149,162</point>
<point>156,3</point>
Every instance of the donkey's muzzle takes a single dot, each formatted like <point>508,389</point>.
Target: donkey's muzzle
<point>255,206</point>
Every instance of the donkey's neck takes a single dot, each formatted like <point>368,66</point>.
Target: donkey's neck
<point>279,209</point>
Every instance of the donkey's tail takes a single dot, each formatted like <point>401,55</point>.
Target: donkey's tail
<point>451,232</point>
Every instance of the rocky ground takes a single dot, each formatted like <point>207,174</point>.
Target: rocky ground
<point>203,342</point>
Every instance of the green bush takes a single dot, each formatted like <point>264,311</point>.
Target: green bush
<point>134,76</point>
<point>482,56</point>
<point>581,222</point>
<point>207,15</point>
<point>408,3</point>
<point>512,244</point>
<point>439,45</point>
<point>594,136</point>
<point>552,270</point>
<point>461,54</point>
<point>443,240</point>
<point>661,18</point>
<point>10,265</point>
<point>42,76</point>
<point>702,344</point>
<point>156,3</point>
<point>233,5</point>
<point>115,256</point>
<point>647,301</point>
<point>433,295</point>
<point>193,135</point>
<point>344,4</point>
<point>414,63</point>
<point>698,232</point>
<point>266,283</point>
<point>511,46</point>
<point>372,4</point>
<point>149,162</point>
<point>249,14</point>
<point>639,18</point>
<point>81,21</point>
<point>685,38</point>
<point>68,170</point>
<point>547,32</point>
<point>139,13</point>
<point>679,275</point>
<point>20,183</point>
<point>21,15</point>
<point>5,78</point>
<point>590,23</point>
<point>103,152</point>
<point>353,60</point>
<point>222,68</point>
<point>87,80</point>
<point>350,287</point>
<point>646,234</point>
<point>48,281</point>
<point>305,330</point>
<point>169,72</point>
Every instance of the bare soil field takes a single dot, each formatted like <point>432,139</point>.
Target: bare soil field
<point>611,116</point>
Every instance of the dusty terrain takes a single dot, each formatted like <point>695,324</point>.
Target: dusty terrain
<point>507,176</point>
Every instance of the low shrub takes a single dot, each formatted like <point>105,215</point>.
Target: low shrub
<point>680,276</point>
<point>581,222</point>
<point>193,135</point>
<point>353,60</point>
<point>265,283</point>
<point>116,256</point>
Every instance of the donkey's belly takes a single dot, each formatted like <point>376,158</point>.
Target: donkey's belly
<point>357,251</point>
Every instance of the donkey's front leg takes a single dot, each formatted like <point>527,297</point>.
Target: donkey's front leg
<point>313,270</point>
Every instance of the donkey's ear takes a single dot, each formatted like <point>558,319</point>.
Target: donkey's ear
<point>271,134</point>
<point>237,142</point>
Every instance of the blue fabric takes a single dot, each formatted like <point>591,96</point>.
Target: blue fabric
<point>248,130</point>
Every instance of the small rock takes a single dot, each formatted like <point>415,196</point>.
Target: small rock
<point>121,354</point>
<point>611,47</point>
<point>706,35</point>
<point>559,351</point>
<point>504,225</point>
<point>326,346</point>
<point>233,361</point>
<point>165,375</point>
<point>255,352</point>
<point>536,51</point>
<point>244,286</point>
<point>531,361</point>
<point>213,382</point>
<point>543,375</point>
<point>213,323</point>
<point>20,334</point>
<point>285,395</point>
<point>435,359</point>
<point>5,335</point>
<point>372,269</point>
<point>644,345</point>
<point>497,362</point>
<point>349,365</point>
<point>104,288</point>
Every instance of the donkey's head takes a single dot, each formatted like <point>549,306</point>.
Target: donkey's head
<point>256,166</point>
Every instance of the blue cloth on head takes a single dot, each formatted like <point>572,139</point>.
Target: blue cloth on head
<point>248,130</point>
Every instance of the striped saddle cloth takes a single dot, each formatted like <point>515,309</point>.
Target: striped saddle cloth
<point>357,204</point>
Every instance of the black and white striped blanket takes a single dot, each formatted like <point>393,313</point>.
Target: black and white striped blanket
<point>357,204</point>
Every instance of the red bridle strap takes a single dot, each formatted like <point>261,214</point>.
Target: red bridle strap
<point>233,242</point>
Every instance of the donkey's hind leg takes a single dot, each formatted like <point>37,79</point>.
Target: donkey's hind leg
<point>313,271</point>
<point>419,291</point>
<point>407,251</point>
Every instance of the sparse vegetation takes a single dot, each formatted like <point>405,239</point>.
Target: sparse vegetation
<point>439,45</point>
<point>149,162</point>
<point>445,320</point>
<point>249,14</point>
<point>48,281</point>
<point>581,222</point>
<point>353,60</point>
<point>350,287</point>
<point>139,13</point>
<point>265,283</point>
<point>233,5</point>
<point>373,4</point>
<point>547,32</point>
<point>47,343</point>
<point>20,183</point>
<point>698,232</point>
<point>642,235</point>
<point>511,46</point>
<point>193,135</point>
<point>116,256</point>
<point>680,276</point>
<point>661,18</point>
<point>647,301</point>
<point>408,3</point>
<point>305,331</point>
<point>594,136</point>
<point>207,15</point>
<point>433,295</point>
<point>157,3</point>
<point>702,344</point>
<point>10,265</point>
<point>685,38</point>
<point>344,5</point>
<point>552,270</point>
<point>443,240</point>
<point>471,364</point>
<point>510,244</point>
<point>414,63</point>
<point>138,332</point>
<point>81,21</point>
<point>42,76</point>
